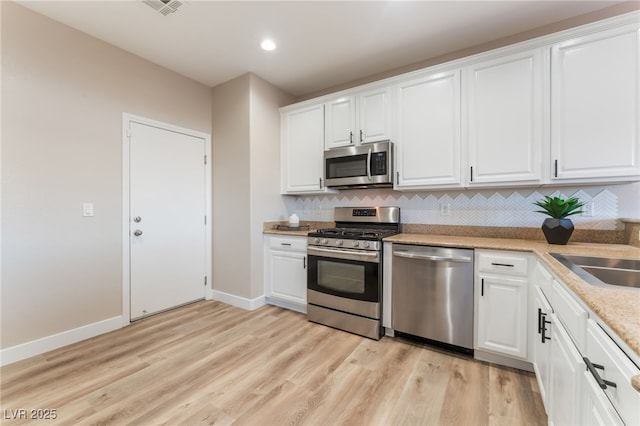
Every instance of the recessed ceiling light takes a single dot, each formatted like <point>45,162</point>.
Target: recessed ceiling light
<point>268,44</point>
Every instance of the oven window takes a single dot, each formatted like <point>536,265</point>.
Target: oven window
<point>343,167</point>
<point>341,277</point>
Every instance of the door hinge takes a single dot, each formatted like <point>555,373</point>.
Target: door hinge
<point>205,220</point>
<point>205,280</point>
<point>205,159</point>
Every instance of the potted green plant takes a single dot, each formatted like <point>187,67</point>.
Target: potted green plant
<point>557,228</point>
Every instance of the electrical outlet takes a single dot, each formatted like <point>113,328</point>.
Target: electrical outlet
<point>445,209</point>
<point>589,209</point>
<point>87,209</point>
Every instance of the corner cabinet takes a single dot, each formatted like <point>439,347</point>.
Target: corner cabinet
<point>285,271</point>
<point>302,147</point>
<point>428,145</point>
<point>571,353</point>
<point>595,111</point>
<point>359,119</point>
<point>504,104</point>
<point>501,285</point>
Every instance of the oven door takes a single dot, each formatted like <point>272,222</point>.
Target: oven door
<point>350,274</point>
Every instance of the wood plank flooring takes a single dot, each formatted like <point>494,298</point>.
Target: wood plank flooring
<point>211,363</point>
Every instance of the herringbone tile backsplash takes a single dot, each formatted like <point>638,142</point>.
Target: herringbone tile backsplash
<point>473,208</point>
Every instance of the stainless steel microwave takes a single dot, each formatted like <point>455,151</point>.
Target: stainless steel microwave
<point>364,166</point>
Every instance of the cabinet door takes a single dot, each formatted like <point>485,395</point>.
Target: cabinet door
<point>597,409</point>
<point>288,276</point>
<point>541,355</point>
<point>340,122</point>
<point>374,116</point>
<point>502,315</point>
<point>428,131</point>
<point>504,126</point>
<point>302,148</point>
<point>567,367</point>
<point>595,116</point>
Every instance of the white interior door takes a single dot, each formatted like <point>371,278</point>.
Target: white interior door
<point>166,219</point>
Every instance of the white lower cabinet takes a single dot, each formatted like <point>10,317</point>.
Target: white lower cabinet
<point>285,271</point>
<point>597,409</point>
<point>541,346</point>
<point>501,292</point>
<point>565,384</point>
<point>614,370</point>
<point>583,376</point>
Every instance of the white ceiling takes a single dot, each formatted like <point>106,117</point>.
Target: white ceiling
<point>321,44</point>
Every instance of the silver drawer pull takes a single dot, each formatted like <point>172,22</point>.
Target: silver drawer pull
<point>410,255</point>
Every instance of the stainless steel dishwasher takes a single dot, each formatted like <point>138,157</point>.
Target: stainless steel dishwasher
<point>432,294</point>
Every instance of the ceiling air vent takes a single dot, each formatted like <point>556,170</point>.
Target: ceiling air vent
<point>163,7</point>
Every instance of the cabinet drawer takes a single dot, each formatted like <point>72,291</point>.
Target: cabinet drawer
<point>503,263</point>
<point>288,243</point>
<point>570,313</point>
<point>601,350</point>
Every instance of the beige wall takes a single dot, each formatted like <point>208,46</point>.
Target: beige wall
<point>246,180</point>
<point>230,145</point>
<point>266,203</point>
<point>63,95</point>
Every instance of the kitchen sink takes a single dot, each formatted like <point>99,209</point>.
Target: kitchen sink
<point>606,271</point>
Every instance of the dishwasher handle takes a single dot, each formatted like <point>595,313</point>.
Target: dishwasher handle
<point>420,256</point>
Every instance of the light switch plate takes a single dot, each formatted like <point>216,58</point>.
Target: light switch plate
<point>87,209</point>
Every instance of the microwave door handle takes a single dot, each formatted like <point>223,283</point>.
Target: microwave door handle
<point>369,164</point>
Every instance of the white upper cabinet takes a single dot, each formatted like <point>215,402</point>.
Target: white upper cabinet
<point>375,112</point>
<point>302,148</point>
<point>504,118</point>
<point>428,142</point>
<point>595,91</point>
<point>361,118</point>
<point>340,122</point>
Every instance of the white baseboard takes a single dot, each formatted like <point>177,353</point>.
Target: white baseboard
<point>58,340</point>
<point>237,301</point>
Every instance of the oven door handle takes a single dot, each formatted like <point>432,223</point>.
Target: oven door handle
<point>369,164</point>
<point>410,255</point>
<point>344,254</point>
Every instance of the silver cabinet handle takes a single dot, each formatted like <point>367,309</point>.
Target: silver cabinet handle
<point>137,219</point>
<point>137,232</point>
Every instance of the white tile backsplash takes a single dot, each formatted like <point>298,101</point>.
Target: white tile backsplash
<point>513,208</point>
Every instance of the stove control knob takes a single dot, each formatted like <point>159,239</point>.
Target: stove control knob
<point>356,243</point>
<point>339,242</point>
<point>366,244</point>
<point>317,241</point>
<point>324,241</point>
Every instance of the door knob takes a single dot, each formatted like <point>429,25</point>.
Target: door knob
<point>137,232</point>
<point>137,219</point>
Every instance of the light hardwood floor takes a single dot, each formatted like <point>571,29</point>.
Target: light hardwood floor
<point>211,363</point>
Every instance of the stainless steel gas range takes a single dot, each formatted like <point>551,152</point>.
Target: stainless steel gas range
<point>344,277</point>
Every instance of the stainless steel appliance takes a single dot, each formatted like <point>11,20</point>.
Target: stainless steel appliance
<point>344,276</point>
<point>432,290</point>
<point>364,166</point>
